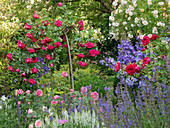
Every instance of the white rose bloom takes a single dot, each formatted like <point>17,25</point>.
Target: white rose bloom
<point>132,25</point>
<point>109,24</point>
<point>3,98</point>
<point>113,24</point>
<point>149,2</point>
<point>156,16</point>
<point>131,7</point>
<point>130,13</point>
<point>126,28</point>
<point>159,24</point>
<point>32,1</point>
<point>129,18</point>
<point>0,107</point>
<point>114,3</point>
<point>116,38</point>
<point>111,18</point>
<point>117,24</point>
<point>161,3</point>
<point>163,25</point>
<point>120,11</point>
<point>155,12</point>
<point>123,2</point>
<point>130,36</point>
<point>124,23</point>
<point>149,35</point>
<point>127,11</point>
<point>116,11</point>
<point>144,22</point>
<point>30,111</point>
<point>154,30</point>
<point>136,20</point>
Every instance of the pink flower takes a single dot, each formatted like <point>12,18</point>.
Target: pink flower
<point>117,67</point>
<point>31,81</point>
<point>64,74</point>
<point>17,70</point>
<point>9,56</point>
<point>73,96</point>
<point>28,60</point>
<point>19,102</point>
<point>94,52</point>
<point>89,45</point>
<point>94,82</point>
<point>58,23</point>
<point>81,64</point>
<point>47,22</point>
<point>10,68</point>
<point>43,42</point>
<point>50,47</point>
<point>31,50</point>
<point>28,27</point>
<point>81,45</point>
<point>29,35</point>
<point>34,40</point>
<point>23,74</point>
<point>80,55</point>
<point>54,102</point>
<point>21,45</point>
<point>39,92</point>
<point>28,91</point>
<point>65,46</point>
<point>38,123</point>
<point>52,65</point>
<point>20,91</point>
<point>95,95</point>
<point>64,39</point>
<point>48,57</point>
<point>164,57</point>
<point>83,90</point>
<point>80,23</point>
<point>47,39</point>
<point>57,44</point>
<point>81,28</point>
<point>34,60</point>
<point>56,97</point>
<point>43,48</point>
<point>62,121</point>
<point>146,60</point>
<point>79,98</point>
<point>145,40</point>
<point>62,101</point>
<point>60,4</point>
<point>30,111</point>
<point>30,126</point>
<point>71,90</point>
<point>36,16</point>
<point>25,80</point>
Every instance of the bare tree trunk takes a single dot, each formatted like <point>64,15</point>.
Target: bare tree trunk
<point>70,63</point>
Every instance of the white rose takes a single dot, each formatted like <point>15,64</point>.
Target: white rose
<point>111,18</point>
<point>124,23</point>
<point>161,3</point>
<point>144,22</point>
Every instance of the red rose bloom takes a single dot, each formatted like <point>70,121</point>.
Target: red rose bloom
<point>94,52</point>
<point>146,60</point>
<point>81,64</point>
<point>34,40</point>
<point>31,81</point>
<point>47,39</point>
<point>34,70</point>
<point>130,69</point>
<point>50,47</point>
<point>43,42</point>
<point>60,4</point>
<point>145,40</point>
<point>81,28</point>
<point>29,35</point>
<point>89,45</point>
<point>48,57</point>
<point>80,23</point>
<point>21,45</point>
<point>57,44</point>
<point>47,23</point>
<point>9,56</point>
<point>137,69</point>
<point>23,74</point>
<point>10,68</point>
<point>34,60</point>
<point>31,50</point>
<point>80,55</point>
<point>28,27</point>
<point>36,16</point>
<point>154,37</point>
<point>65,46</point>
<point>42,34</point>
<point>117,67</point>
<point>64,39</point>
<point>28,60</point>
<point>58,23</point>
<point>81,45</point>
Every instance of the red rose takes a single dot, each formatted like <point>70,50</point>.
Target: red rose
<point>64,39</point>
<point>130,69</point>
<point>28,60</point>
<point>65,46</point>
<point>47,23</point>
<point>9,56</point>
<point>50,47</point>
<point>31,50</point>
<point>43,48</point>
<point>43,42</point>
<point>34,40</point>
<point>21,45</point>
<point>81,28</point>
<point>36,46</point>
<point>82,64</point>
<point>137,69</point>
<point>17,70</point>
<point>117,67</point>
<point>48,57</point>
<point>32,81</point>
<point>80,45</point>
<point>145,40</point>
<point>80,55</point>
<point>34,70</point>
<point>47,39</point>
<point>94,52</point>
<point>89,45</point>
<point>60,4</point>
<point>97,52</point>
<point>80,23</point>
<point>36,16</point>
<point>58,23</point>
<point>29,35</point>
<point>164,57</point>
<point>143,49</point>
<point>42,34</point>
<point>34,60</point>
<point>10,68</point>
<point>28,27</point>
<point>57,44</point>
<point>154,37</point>
<point>146,60</point>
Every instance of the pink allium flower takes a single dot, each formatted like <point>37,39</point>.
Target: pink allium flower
<point>62,121</point>
<point>38,123</point>
<point>64,74</point>
<point>28,91</point>
<point>20,91</point>
<point>56,97</point>
<point>39,92</point>
<point>60,4</point>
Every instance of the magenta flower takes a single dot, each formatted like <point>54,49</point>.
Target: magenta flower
<point>62,121</point>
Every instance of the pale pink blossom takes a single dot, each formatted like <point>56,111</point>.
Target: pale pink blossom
<point>62,101</point>
<point>79,98</point>
<point>39,92</point>
<point>30,126</point>
<point>64,74</point>
<point>56,97</point>
<point>38,123</point>
<point>28,91</point>
<point>19,102</point>
<point>95,95</point>
<point>29,103</point>
<point>71,90</point>
<point>54,102</point>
